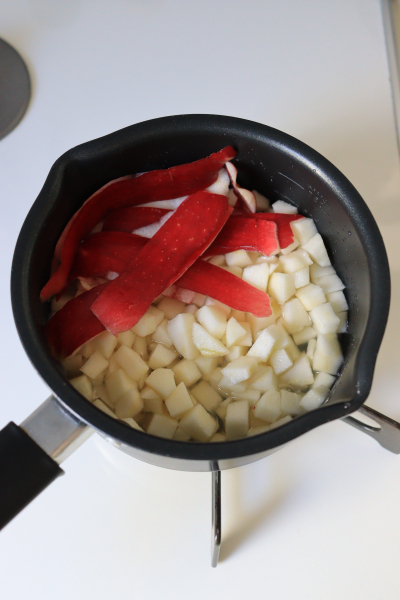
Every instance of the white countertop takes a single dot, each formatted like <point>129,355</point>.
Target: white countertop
<point>318,519</point>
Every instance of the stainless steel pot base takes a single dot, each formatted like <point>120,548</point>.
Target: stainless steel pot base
<point>15,88</point>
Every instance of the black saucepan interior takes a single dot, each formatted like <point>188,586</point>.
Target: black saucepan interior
<point>270,161</point>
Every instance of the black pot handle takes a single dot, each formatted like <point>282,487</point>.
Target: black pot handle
<point>25,471</point>
<point>30,454</point>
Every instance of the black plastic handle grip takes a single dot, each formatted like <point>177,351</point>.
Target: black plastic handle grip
<point>25,471</point>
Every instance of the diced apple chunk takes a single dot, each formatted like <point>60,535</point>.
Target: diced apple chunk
<point>234,332</point>
<point>264,379</point>
<point>146,325</point>
<point>247,340</point>
<point>148,393</point>
<point>206,395</point>
<point>328,355</point>
<point>180,331</point>
<point>162,426</point>
<point>207,344</point>
<point>338,301</point>
<point>126,338</point>
<point>132,423</point>
<point>237,420</point>
<point>280,361</point>
<point>304,230</point>
<point>99,404</point>
<point>105,343</point>
<point>218,260</point>
<point>179,402</point>
<point>295,316</point>
<point>190,308</point>
<point>207,364</point>
<point>117,384</point>
<point>140,347</point>
<point>312,344</point>
<point>301,277</point>
<point>239,258</point>
<point>162,381</point>
<point>314,398</point>
<point>161,335</point>
<point>221,410</point>
<point>215,378</point>
<point>240,369</point>
<point>290,403</point>
<point>211,302</point>
<point>257,276</point>
<point>324,319</point>
<point>131,362</point>
<point>186,371</point>
<point>157,313</point>
<point>181,435</point>
<point>281,286</point>
<point>342,328</point>
<point>235,352</point>
<point>304,335</point>
<point>331,283</point>
<point>171,307</point>
<point>316,272</point>
<point>218,437</point>
<point>235,270</point>
<point>294,261</point>
<point>153,405</point>
<point>199,424</point>
<point>280,206</point>
<point>316,249</point>
<point>213,320</point>
<point>95,365</point>
<point>324,379</point>
<point>264,344</point>
<point>300,375</point>
<point>129,405</point>
<point>83,385</point>
<point>281,422</point>
<point>311,296</point>
<point>226,385</point>
<point>162,357</point>
<point>268,408</point>
<point>199,300</point>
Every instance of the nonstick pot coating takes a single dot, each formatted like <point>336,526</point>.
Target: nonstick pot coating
<point>268,160</point>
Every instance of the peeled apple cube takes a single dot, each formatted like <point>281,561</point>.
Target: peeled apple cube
<point>264,379</point>
<point>117,384</point>
<point>129,405</point>
<point>238,258</point>
<point>99,404</point>
<point>324,379</point>
<point>131,362</point>
<point>338,301</point>
<point>207,364</point>
<point>301,277</point>
<point>281,422</point>
<point>235,352</point>
<point>198,424</point>
<point>240,369</point>
<point>331,283</point>
<point>153,405</point>
<point>300,375</point>
<point>207,344</point>
<point>162,426</point>
<point>161,357</point>
<point>140,347</point>
<point>179,402</point>
<point>238,271</point>
<point>258,323</point>
<point>105,343</point>
<point>95,365</point>
<point>247,340</point>
<point>126,338</point>
<point>311,296</point>
<point>293,262</point>
<point>295,315</point>
<point>304,230</point>
<point>290,403</point>
<point>328,355</point>
<point>218,437</point>
<point>324,318</point>
<point>148,393</point>
<point>213,320</point>
<point>206,395</point>
<point>251,396</point>
<point>171,307</point>
<point>83,385</point>
<point>162,381</point>
<point>190,308</point>
<point>101,392</point>
<point>218,260</point>
<point>186,371</point>
<point>146,325</point>
<point>234,332</point>
<point>161,335</point>
<point>268,408</point>
<point>281,287</point>
<point>280,206</point>
<point>156,313</point>
<point>342,322</point>
<point>316,272</point>
<point>180,331</point>
<point>312,344</point>
<point>291,247</point>
<point>113,365</point>
<point>237,420</point>
<point>226,385</point>
<point>221,410</point>
<point>303,336</point>
<point>257,276</point>
<point>264,344</point>
<point>226,309</point>
<point>199,300</point>
<point>215,378</point>
<point>181,435</point>
<point>280,361</point>
<point>132,423</point>
<point>316,249</point>
<point>314,398</point>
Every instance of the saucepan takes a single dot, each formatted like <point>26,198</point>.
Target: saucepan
<point>277,165</point>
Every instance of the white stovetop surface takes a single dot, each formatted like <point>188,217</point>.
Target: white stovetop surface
<point>318,519</point>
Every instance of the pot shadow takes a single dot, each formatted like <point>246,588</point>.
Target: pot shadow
<point>251,496</point>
